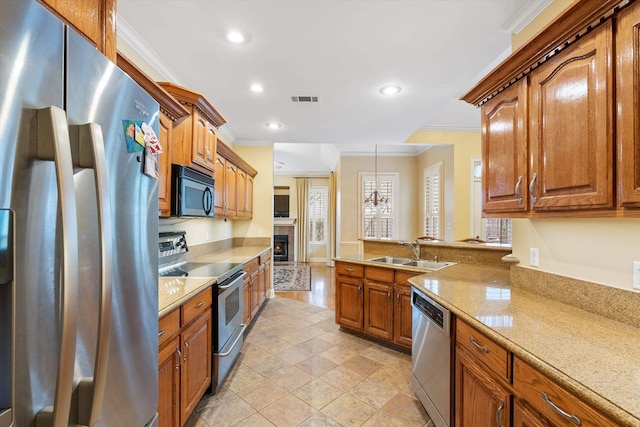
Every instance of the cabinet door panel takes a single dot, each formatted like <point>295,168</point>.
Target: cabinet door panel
<point>504,151</point>
<point>219,174</point>
<point>378,309</point>
<point>480,400</point>
<point>402,317</point>
<point>349,302</point>
<point>200,128</point>
<point>164,165</point>
<point>196,367</point>
<point>572,126</point>
<point>628,93</point>
<point>231,173</point>
<point>169,384</point>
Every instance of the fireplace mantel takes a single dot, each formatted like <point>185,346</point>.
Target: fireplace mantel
<point>283,222</point>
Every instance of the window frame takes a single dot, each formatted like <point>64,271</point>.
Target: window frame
<point>394,179</point>
<point>325,217</point>
<point>436,168</point>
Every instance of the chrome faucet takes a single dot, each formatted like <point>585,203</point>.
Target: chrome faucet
<point>415,248</point>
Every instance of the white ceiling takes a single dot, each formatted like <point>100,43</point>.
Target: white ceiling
<point>342,51</point>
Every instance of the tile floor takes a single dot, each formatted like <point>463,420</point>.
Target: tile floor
<point>298,369</point>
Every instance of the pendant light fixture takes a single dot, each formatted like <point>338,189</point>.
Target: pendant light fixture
<point>376,199</point>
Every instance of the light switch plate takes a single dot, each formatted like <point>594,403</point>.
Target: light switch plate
<point>636,275</point>
<point>534,257</point>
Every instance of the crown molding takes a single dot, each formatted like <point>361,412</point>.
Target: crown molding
<point>145,51</point>
<point>523,17</point>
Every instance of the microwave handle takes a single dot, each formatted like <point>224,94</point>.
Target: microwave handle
<point>207,200</point>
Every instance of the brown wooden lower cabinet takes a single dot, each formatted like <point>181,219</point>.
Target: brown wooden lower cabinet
<point>375,301</point>
<point>480,399</point>
<point>257,282</point>
<point>184,359</point>
<point>169,384</point>
<point>485,389</point>
<point>196,363</point>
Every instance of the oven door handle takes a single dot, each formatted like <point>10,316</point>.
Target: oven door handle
<point>223,287</point>
<point>226,353</point>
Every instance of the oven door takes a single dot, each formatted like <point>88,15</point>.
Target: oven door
<point>230,329</point>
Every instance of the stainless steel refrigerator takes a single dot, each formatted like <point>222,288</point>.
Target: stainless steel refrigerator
<point>78,232</point>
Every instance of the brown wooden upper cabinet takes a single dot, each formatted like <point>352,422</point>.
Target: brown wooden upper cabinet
<point>504,151</point>
<point>234,184</point>
<point>571,126</point>
<point>628,94</point>
<point>95,19</point>
<point>550,146</point>
<point>195,137</point>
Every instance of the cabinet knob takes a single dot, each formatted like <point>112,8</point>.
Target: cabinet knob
<point>499,412</point>
<point>532,186</point>
<point>518,195</point>
<point>559,411</point>
<point>478,346</point>
<point>179,358</point>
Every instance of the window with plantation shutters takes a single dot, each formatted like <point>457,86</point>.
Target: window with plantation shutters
<point>318,201</point>
<point>379,222</point>
<point>432,208</point>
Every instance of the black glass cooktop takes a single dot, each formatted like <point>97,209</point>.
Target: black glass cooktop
<point>221,271</point>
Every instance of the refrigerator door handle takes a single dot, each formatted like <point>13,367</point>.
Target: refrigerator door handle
<point>53,144</point>
<point>88,151</point>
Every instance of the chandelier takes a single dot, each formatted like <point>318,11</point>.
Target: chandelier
<point>375,198</point>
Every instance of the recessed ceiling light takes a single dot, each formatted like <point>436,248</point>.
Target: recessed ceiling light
<point>237,37</point>
<point>390,89</point>
<point>256,87</point>
<point>274,125</point>
<point>277,164</point>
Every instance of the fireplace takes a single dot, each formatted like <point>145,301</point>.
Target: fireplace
<point>280,247</point>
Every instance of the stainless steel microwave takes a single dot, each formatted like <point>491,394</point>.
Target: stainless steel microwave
<point>192,192</point>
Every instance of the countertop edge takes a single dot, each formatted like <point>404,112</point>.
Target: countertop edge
<point>177,303</point>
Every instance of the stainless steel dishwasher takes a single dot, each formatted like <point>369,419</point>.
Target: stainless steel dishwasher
<point>431,357</point>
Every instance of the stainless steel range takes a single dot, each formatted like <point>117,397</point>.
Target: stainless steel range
<point>228,305</point>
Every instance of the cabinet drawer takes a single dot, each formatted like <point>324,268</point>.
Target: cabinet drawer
<point>353,270</point>
<point>530,384</point>
<point>385,275</point>
<point>402,277</point>
<point>265,257</point>
<point>483,348</point>
<point>196,305</point>
<point>251,266</point>
<point>168,326</point>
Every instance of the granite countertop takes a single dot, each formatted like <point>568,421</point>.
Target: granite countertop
<point>174,291</point>
<point>598,359</point>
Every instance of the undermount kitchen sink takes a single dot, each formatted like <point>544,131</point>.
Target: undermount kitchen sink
<point>421,263</point>
<point>391,260</point>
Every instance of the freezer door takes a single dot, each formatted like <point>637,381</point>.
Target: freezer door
<point>100,93</point>
<point>31,78</point>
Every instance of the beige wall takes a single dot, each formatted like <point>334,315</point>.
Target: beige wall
<point>466,145</point>
<point>408,200</point>
<point>597,250</point>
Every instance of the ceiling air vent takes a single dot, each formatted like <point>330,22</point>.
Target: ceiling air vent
<point>304,98</point>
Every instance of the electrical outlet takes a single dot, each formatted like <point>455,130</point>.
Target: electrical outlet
<point>534,257</point>
<point>636,275</point>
